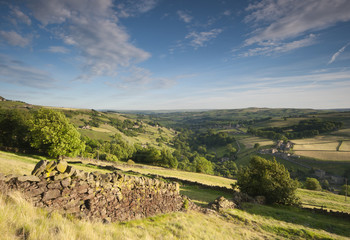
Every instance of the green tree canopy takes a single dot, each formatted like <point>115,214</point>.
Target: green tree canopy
<point>54,135</point>
<point>267,178</point>
<point>203,165</point>
<point>14,129</point>
<point>312,184</point>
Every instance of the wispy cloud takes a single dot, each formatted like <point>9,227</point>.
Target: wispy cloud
<point>335,55</point>
<point>137,78</point>
<point>290,18</point>
<point>184,16</point>
<point>201,38</point>
<point>93,28</point>
<point>20,16</point>
<point>282,22</point>
<point>132,8</point>
<point>269,48</point>
<point>16,72</point>
<point>14,38</point>
<point>58,49</point>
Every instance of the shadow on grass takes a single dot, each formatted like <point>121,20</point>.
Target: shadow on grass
<point>202,196</point>
<point>34,156</point>
<point>302,217</point>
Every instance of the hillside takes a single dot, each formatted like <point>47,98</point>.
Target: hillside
<point>151,129</point>
<point>20,220</point>
<point>103,125</point>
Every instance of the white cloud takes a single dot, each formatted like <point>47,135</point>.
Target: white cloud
<point>93,28</point>
<point>134,7</point>
<point>14,38</point>
<point>227,13</point>
<point>58,49</point>
<point>184,16</point>
<point>269,48</point>
<point>15,72</point>
<point>200,39</point>
<point>19,15</point>
<point>285,19</point>
<point>141,78</point>
<point>283,23</point>
<point>335,55</point>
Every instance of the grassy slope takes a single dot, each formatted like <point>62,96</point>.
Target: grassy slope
<point>19,218</point>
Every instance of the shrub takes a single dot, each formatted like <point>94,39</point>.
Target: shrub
<point>111,158</point>
<point>130,162</point>
<point>269,179</point>
<point>312,184</point>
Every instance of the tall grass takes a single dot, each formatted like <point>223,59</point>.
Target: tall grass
<point>20,220</point>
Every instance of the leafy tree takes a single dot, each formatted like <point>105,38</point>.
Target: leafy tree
<point>167,159</point>
<point>149,155</point>
<point>267,178</point>
<point>14,129</point>
<point>312,184</point>
<point>203,165</point>
<point>325,184</point>
<point>54,135</point>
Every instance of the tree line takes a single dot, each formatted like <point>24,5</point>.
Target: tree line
<point>304,129</point>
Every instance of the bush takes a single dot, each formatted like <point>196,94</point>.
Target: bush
<point>312,184</point>
<point>130,162</point>
<point>111,158</point>
<point>269,179</point>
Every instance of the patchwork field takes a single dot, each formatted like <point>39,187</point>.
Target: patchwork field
<point>345,146</point>
<point>326,147</point>
<point>249,141</point>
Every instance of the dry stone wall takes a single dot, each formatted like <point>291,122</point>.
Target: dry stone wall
<point>109,197</point>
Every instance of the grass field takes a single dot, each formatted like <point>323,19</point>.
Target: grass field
<point>327,200</point>
<point>196,177</point>
<point>345,146</point>
<point>326,155</point>
<point>324,147</point>
<point>19,220</point>
<point>249,141</point>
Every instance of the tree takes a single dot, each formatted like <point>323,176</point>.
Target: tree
<point>167,159</point>
<point>14,129</point>
<point>203,165</point>
<point>53,134</point>
<point>267,178</point>
<point>312,184</point>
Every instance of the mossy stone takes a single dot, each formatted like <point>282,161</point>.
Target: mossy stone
<point>62,166</point>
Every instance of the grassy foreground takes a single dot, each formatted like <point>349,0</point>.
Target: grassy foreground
<point>20,220</point>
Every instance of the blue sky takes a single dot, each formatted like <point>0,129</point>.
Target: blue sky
<point>183,54</point>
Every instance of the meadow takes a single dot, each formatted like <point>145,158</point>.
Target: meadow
<point>20,220</point>
<point>324,147</point>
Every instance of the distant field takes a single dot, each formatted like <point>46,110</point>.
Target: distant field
<point>280,122</point>
<point>197,177</point>
<point>323,147</point>
<point>345,146</point>
<point>326,155</point>
<point>249,141</point>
